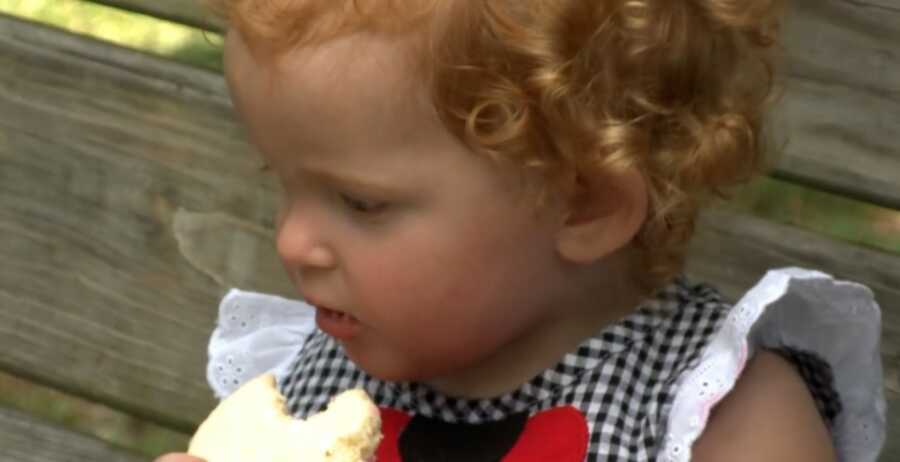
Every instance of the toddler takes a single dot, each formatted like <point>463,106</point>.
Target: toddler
<point>486,205</point>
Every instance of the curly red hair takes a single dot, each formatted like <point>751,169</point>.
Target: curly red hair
<point>580,88</point>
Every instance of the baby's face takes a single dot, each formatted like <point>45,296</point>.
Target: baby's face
<point>431,254</point>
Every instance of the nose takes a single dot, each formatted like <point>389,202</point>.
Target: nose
<point>301,241</point>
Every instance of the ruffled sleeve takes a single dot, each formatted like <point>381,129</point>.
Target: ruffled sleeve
<point>804,311</point>
<point>255,333</point>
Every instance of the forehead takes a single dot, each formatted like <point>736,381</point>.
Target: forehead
<point>361,69</point>
<point>355,103</point>
<point>361,83</point>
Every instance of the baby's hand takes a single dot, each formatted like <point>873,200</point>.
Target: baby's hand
<point>178,457</point>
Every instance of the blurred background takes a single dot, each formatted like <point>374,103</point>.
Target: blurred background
<point>818,211</point>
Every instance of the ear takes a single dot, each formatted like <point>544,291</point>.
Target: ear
<point>603,216</point>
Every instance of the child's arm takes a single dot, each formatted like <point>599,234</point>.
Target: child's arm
<point>769,416</point>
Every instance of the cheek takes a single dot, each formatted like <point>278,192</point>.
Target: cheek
<point>457,279</point>
<point>445,298</point>
<point>416,272</point>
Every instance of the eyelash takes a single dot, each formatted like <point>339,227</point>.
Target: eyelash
<point>356,205</point>
<point>362,206</point>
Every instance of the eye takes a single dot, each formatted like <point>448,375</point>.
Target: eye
<point>363,206</point>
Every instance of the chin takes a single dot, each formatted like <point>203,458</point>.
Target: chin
<point>392,372</point>
<point>391,368</point>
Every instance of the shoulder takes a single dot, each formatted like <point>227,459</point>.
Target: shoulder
<point>768,416</point>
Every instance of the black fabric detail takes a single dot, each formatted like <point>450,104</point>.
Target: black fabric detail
<point>433,440</point>
<point>819,378</point>
<point>623,379</point>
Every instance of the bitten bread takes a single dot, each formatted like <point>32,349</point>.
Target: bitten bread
<point>251,426</point>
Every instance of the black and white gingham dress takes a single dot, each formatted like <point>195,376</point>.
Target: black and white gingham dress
<point>622,380</point>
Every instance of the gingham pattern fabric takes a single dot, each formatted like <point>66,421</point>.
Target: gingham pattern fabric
<point>623,379</point>
<point>819,378</point>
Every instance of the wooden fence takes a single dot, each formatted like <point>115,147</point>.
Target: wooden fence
<point>126,210</point>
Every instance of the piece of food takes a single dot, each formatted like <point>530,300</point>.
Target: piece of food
<point>251,426</point>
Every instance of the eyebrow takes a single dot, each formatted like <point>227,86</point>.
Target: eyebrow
<point>355,182</point>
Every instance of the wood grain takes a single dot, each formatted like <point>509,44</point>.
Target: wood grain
<point>842,92</point>
<point>129,202</point>
<point>26,439</point>
<point>841,109</point>
<point>734,252</point>
<point>101,150</point>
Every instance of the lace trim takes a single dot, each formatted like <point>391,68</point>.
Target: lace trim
<point>759,320</point>
<point>255,333</point>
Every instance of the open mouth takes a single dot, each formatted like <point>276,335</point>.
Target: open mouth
<point>339,325</point>
<point>337,315</point>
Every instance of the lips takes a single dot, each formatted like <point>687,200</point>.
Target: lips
<point>341,326</point>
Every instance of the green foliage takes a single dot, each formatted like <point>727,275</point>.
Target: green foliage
<point>824,213</point>
<point>821,212</point>
<point>182,43</point>
<point>115,427</point>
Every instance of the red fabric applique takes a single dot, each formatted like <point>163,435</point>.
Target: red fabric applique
<point>559,435</point>
<point>392,424</point>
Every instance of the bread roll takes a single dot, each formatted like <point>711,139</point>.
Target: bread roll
<point>251,426</point>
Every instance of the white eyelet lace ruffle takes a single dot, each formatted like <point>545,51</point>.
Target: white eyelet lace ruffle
<point>256,333</point>
<point>839,321</point>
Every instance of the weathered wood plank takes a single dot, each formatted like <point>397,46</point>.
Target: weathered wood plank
<point>841,109</point>
<point>189,12</point>
<point>26,439</point>
<point>114,167</point>
<point>842,100</point>
<point>734,251</point>
<point>126,210</point>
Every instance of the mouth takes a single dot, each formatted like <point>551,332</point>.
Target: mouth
<point>339,325</point>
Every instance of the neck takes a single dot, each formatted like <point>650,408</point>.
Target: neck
<point>591,309</point>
